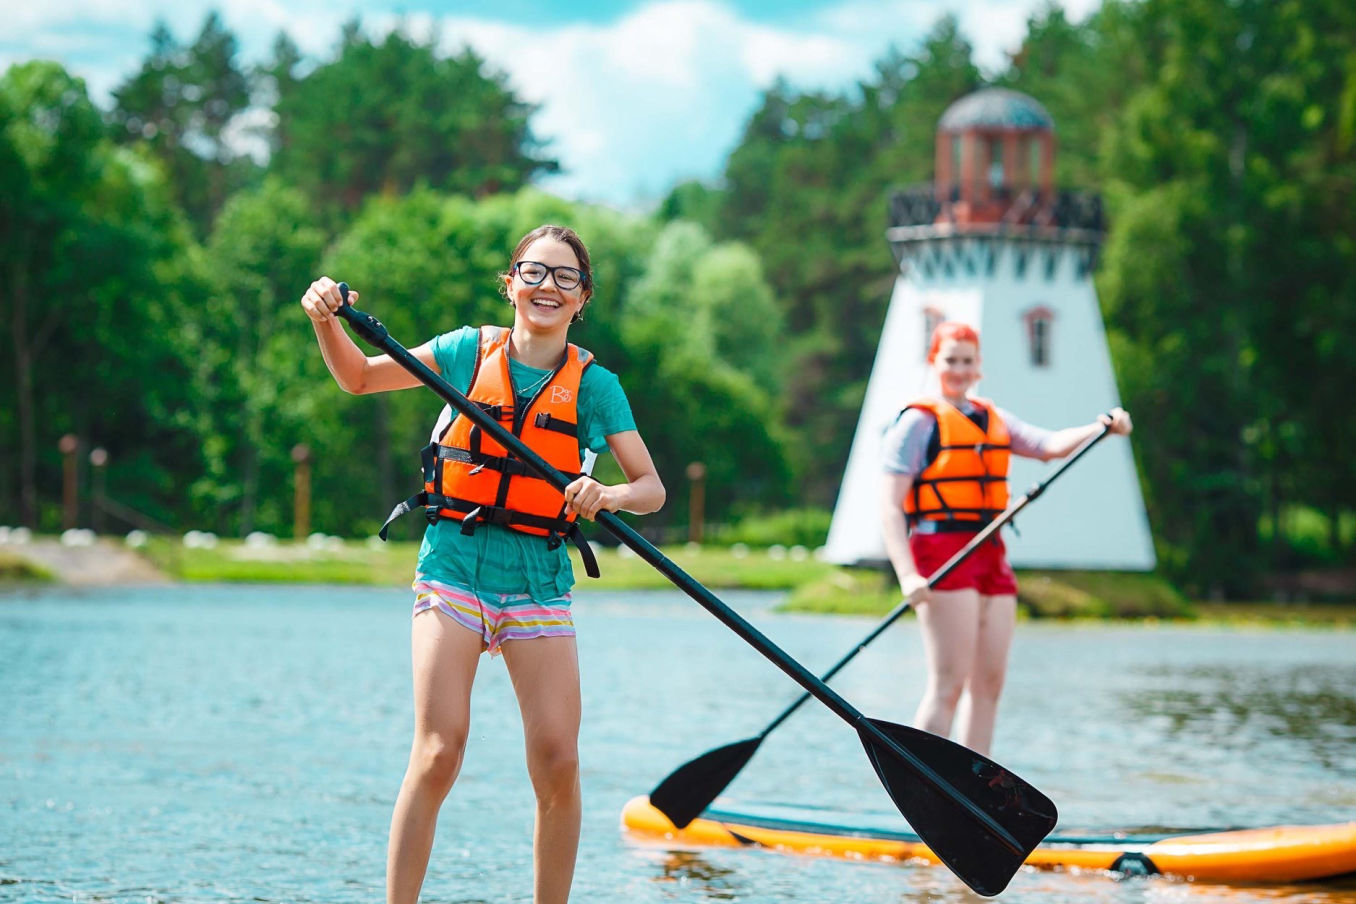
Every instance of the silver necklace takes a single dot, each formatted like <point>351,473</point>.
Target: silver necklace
<point>536,387</point>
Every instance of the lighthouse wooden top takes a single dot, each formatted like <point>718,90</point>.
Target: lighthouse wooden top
<point>995,159</point>
<point>994,176</point>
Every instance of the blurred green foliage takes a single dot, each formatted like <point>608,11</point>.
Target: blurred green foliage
<point>807,527</point>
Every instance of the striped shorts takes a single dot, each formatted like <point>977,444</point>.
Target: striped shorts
<point>496,617</point>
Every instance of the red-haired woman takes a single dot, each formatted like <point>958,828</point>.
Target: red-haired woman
<point>946,462</point>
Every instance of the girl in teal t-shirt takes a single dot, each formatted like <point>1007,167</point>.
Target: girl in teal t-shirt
<point>497,588</point>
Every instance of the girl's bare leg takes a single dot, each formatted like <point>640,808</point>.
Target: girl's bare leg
<point>545,673</point>
<point>950,620</point>
<point>444,655</point>
<point>997,620</point>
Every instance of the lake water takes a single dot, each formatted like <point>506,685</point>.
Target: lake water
<point>223,744</point>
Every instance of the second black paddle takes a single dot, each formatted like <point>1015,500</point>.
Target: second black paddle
<point>690,789</point>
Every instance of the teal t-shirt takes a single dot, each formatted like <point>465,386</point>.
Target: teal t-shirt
<point>495,559</point>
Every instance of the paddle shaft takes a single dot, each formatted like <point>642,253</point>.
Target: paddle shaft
<point>951,565</point>
<point>372,330</point>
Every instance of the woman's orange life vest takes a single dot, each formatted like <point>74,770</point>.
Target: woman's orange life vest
<point>473,479</point>
<point>966,484</point>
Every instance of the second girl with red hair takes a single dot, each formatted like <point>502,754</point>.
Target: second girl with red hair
<point>946,462</point>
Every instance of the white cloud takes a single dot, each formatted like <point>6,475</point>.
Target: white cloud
<point>630,106</point>
<point>659,95</point>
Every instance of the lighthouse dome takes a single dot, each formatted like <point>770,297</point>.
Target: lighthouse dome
<point>995,108</point>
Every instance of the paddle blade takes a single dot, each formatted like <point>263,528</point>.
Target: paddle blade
<point>691,787</point>
<point>974,852</point>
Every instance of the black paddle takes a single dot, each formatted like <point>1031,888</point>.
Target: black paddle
<point>690,789</point>
<point>978,818</point>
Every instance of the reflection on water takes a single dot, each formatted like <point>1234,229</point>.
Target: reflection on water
<point>226,744</point>
<point>1313,708</point>
<point>691,869</point>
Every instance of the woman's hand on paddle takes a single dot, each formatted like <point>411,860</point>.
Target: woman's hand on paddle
<point>322,299</point>
<point>587,497</point>
<point>1118,420</point>
<point>914,587</point>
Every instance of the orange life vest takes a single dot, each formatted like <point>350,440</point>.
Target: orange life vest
<point>473,479</point>
<point>965,486</point>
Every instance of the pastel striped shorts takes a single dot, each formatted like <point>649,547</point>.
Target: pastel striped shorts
<point>496,617</point>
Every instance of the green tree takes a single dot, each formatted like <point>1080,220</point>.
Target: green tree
<point>90,252</point>
<point>692,200</point>
<point>701,363</point>
<point>384,117</point>
<point>181,105</point>
<point>713,298</point>
<point>256,384</point>
<point>1228,252</point>
<point>277,79</point>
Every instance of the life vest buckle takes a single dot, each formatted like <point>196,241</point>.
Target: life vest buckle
<point>469,523</point>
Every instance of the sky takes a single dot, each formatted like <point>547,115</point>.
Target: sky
<point>635,96</point>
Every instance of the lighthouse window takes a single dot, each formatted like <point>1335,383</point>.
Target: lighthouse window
<point>1040,343</point>
<point>1038,330</point>
<point>995,163</point>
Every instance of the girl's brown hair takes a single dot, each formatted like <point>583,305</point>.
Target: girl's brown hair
<point>560,234</point>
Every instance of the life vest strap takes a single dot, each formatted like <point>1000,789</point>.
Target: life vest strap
<point>514,467</point>
<point>474,515</point>
<point>978,447</point>
<point>964,478</point>
<point>547,421</point>
<point>498,412</point>
<point>947,527</point>
<point>951,524</point>
<point>403,508</point>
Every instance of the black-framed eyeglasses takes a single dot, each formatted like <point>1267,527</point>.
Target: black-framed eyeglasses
<point>534,273</point>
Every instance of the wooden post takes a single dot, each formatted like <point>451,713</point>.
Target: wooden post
<point>70,481</point>
<point>301,495</point>
<point>696,501</point>
<point>98,459</point>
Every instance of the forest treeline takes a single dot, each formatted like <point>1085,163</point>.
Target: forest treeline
<point>149,270</point>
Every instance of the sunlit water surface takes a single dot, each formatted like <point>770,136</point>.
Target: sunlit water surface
<point>213,744</point>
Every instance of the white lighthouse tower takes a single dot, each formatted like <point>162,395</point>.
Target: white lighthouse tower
<point>992,244</point>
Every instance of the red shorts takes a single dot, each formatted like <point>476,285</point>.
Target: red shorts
<point>986,569</point>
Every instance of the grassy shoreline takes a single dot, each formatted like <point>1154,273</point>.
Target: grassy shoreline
<point>392,564</point>
<point>15,569</point>
<point>811,586</point>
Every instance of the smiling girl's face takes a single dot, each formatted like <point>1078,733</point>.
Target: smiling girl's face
<point>545,306</point>
<point>957,367</point>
